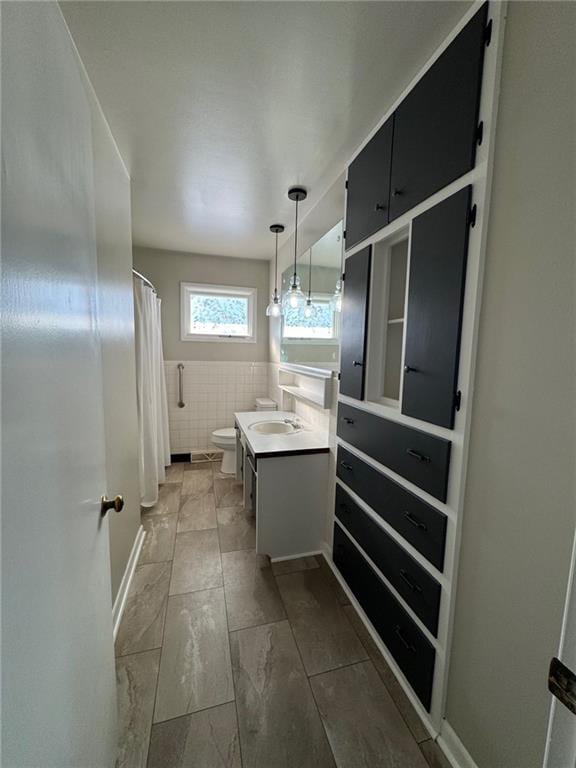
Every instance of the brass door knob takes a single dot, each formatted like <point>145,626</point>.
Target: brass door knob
<point>117,503</point>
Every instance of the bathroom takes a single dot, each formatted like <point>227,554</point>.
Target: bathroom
<point>287,358</point>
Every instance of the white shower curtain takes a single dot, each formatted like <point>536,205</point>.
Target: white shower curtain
<point>151,387</point>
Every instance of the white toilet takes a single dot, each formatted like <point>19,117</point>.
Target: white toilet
<point>225,439</point>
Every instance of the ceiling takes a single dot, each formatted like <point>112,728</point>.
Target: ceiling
<point>219,107</point>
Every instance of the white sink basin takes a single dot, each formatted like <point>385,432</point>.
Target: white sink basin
<point>273,428</point>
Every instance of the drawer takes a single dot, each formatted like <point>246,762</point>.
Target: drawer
<point>413,652</point>
<point>421,458</point>
<point>420,590</point>
<point>419,523</point>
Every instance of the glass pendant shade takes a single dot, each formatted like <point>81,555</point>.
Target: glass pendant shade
<point>274,309</point>
<point>294,298</point>
<point>336,300</point>
<point>309,309</point>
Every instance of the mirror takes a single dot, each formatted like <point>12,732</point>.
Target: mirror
<point>313,338</point>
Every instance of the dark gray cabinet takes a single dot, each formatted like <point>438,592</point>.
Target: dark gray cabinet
<point>436,125</point>
<point>439,248</point>
<point>368,187</point>
<point>354,322</point>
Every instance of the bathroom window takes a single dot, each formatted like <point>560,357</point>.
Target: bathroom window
<point>321,326</point>
<point>217,313</point>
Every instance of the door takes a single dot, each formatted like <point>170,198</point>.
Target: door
<point>438,251</point>
<point>435,127</point>
<point>368,187</point>
<point>354,322</point>
<point>58,681</point>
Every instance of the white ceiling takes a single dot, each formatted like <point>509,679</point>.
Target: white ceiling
<point>219,107</point>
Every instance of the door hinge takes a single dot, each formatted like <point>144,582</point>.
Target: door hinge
<point>472,216</point>
<point>343,276</point>
<point>480,132</point>
<point>346,184</point>
<point>339,377</point>
<point>488,33</point>
<point>458,400</point>
<point>344,234</point>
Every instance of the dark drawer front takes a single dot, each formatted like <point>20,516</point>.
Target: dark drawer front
<point>419,457</point>
<point>419,523</point>
<point>420,590</point>
<point>413,652</point>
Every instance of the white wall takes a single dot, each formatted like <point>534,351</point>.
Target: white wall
<point>520,503</point>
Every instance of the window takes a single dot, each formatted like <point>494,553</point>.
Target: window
<point>217,313</point>
<point>322,326</point>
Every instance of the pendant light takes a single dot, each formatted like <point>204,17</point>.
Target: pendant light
<point>336,300</point>
<point>294,298</point>
<point>309,310</point>
<point>274,309</point>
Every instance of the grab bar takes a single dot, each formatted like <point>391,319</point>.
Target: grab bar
<point>181,402</point>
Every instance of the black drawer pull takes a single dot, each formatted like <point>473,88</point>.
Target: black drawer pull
<point>380,207</point>
<point>357,363</point>
<point>415,523</point>
<point>405,643</point>
<point>416,455</point>
<point>408,580</point>
<point>345,465</point>
<point>397,192</point>
<point>348,420</point>
<point>410,369</point>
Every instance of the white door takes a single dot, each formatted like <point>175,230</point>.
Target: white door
<point>58,685</point>
<point>561,742</point>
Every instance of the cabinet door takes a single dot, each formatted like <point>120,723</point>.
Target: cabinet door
<point>439,247</point>
<point>435,127</point>
<point>354,316</point>
<point>368,185</point>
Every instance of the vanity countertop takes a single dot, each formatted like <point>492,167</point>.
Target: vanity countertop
<point>305,440</point>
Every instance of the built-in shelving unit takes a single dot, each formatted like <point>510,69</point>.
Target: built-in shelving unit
<point>307,383</point>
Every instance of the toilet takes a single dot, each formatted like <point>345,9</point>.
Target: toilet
<point>225,439</point>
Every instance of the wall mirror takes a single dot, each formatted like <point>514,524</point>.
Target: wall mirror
<point>311,336</point>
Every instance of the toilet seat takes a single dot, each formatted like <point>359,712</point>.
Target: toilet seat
<point>226,435</point>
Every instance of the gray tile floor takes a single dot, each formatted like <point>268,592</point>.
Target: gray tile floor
<point>224,661</point>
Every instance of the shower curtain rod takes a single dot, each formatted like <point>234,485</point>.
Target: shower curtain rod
<point>145,279</point>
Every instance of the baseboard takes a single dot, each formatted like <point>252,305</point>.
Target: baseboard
<point>124,588</point>
<point>454,751</point>
<point>294,557</point>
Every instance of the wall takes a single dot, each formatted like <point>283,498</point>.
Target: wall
<point>519,510</point>
<point>167,269</point>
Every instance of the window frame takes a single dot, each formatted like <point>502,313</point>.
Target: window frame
<point>231,291</point>
<point>335,340</point>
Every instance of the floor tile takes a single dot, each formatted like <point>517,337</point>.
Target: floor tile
<point>343,598</point>
<point>175,472</point>
<point>196,483</point>
<point>207,739</point>
<point>197,513</point>
<point>168,501</point>
<point>297,564</point>
<point>401,700</point>
<point>136,677</point>
<point>228,492</point>
<point>159,540</point>
<point>252,595</point>
<point>236,528</point>
<point>143,620</point>
<point>195,670</point>
<point>279,722</point>
<point>196,562</point>
<point>435,758</point>
<point>198,465</point>
<point>363,724</point>
<point>217,471</point>
<point>324,635</point>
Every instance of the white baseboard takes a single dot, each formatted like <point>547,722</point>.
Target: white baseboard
<point>455,752</point>
<point>294,557</point>
<point>123,589</point>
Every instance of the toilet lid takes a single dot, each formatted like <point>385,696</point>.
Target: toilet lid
<point>226,432</point>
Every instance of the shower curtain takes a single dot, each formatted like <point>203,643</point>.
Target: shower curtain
<point>154,449</point>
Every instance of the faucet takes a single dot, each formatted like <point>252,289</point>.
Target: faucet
<point>293,422</point>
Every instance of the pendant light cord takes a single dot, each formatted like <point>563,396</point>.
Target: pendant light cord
<point>295,246</point>
<point>276,268</point>
<point>310,277</point>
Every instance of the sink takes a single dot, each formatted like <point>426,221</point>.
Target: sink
<point>273,428</point>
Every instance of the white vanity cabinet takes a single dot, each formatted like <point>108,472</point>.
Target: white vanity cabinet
<point>285,481</point>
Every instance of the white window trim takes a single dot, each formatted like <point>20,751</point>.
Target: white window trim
<point>224,290</point>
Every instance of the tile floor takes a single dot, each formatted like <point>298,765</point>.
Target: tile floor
<point>226,661</point>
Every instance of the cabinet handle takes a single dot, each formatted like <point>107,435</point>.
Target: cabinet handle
<point>344,465</point>
<point>418,456</point>
<point>408,580</point>
<point>380,207</point>
<point>357,363</point>
<point>397,192</point>
<point>415,523</point>
<point>410,369</point>
<point>347,419</point>
<point>405,643</point>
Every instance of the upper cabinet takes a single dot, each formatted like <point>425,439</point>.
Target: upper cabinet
<point>368,185</point>
<point>439,247</point>
<point>354,319</point>
<point>436,126</point>
<point>427,143</point>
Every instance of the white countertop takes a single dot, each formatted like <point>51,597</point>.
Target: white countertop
<point>305,440</point>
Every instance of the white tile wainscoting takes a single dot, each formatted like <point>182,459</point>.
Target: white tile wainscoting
<point>212,392</point>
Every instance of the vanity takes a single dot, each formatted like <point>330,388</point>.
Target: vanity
<point>283,464</point>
